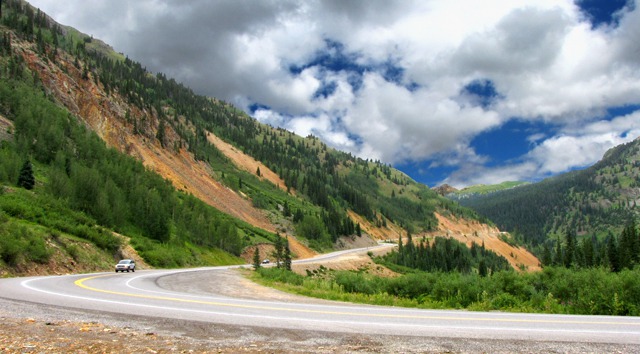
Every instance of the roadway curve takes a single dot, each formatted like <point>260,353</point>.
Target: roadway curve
<point>192,296</point>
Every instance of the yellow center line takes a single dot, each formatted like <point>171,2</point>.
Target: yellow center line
<point>81,283</point>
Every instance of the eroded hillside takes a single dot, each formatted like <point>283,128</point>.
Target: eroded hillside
<point>137,130</point>
<point>465,231</point>
<point>106,114</point>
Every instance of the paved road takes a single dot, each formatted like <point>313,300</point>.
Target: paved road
<point>141,293</point>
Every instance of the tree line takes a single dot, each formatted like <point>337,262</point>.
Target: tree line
<point>444,254</point>
<point>614,253</point>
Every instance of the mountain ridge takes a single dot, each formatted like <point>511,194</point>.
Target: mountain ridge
<point>144,117</point>
<point>598,200</point>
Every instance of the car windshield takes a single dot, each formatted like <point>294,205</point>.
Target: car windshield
<point>124,262</point>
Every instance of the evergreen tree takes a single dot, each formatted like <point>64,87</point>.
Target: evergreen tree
<point>547,259</point>
<point>570,250</point>
<point>256,258</point>
<point>627,246</point>
<point>482,268</point>
<point>588,251</point>
<point>557,260</point>
<point>279,251</point>
<point>160,135</point>
<point>635,242</point>
<point>612,254</point>
<point>26,179</point>
<point>401,253</point>
<point>287,256</point>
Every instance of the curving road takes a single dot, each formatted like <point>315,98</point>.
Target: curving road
<point>145,293</point>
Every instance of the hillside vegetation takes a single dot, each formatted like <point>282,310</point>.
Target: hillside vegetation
<point>139,154</point>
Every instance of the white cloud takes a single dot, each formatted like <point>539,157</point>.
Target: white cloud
<point>542,57</point>
<point>574,147</point>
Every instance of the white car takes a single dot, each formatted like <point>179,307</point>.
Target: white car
<point>126,265</point>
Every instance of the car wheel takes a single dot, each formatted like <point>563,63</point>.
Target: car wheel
<point>133,270</point>
<point>116,271</point>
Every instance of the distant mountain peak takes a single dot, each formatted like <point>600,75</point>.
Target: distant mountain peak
<point>444,189</point>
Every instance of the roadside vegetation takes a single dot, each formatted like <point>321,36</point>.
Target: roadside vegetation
<point>445,274</point>
<point>555,290</point>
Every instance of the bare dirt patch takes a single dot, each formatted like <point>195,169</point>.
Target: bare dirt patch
<point>469,232</point>
<point>245,161</point>
<point>5,127</point>
<point>465,231</point>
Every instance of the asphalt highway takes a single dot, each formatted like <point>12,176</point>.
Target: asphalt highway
<point>140,293</point>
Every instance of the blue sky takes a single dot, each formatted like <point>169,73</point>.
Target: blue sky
<point>510,90</point>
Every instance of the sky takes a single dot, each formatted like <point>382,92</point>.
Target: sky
<point>446,91</point>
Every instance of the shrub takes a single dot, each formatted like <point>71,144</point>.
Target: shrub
<point>356,283</point>
<point>504,301</point>
<point>17,244</point>
<point>281,275</point>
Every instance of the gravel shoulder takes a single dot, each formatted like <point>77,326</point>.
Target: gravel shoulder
<point>31,328</point>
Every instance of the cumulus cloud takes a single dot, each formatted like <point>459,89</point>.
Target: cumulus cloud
<point>389,80</point>
<point>573,147</point>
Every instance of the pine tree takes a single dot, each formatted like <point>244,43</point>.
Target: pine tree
<point>482,268</point>
<point>287,255</point>
<point>612,254</point>
<point>557,260</point>
<point>256,258</point>
<point>588,251</point>
<point>570,250</point>
<point>635,242</point>
<point>278,253</point>
<point>26,179</point>
<point>160,135</point>
<point>546,256</point>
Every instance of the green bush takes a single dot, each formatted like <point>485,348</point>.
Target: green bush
<point>504,301</point>
<point>17,244</point>
<point>356,283</point>
<point>10,248</point>
<point>281,275</point>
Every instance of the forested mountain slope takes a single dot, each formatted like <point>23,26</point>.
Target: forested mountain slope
<point>600,200</point>
<point>264,180</point>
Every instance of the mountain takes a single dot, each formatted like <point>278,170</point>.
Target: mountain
<point>597,201</point>
<point>213,177</point>
<point>480,189</point>
<point>444,189</point>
